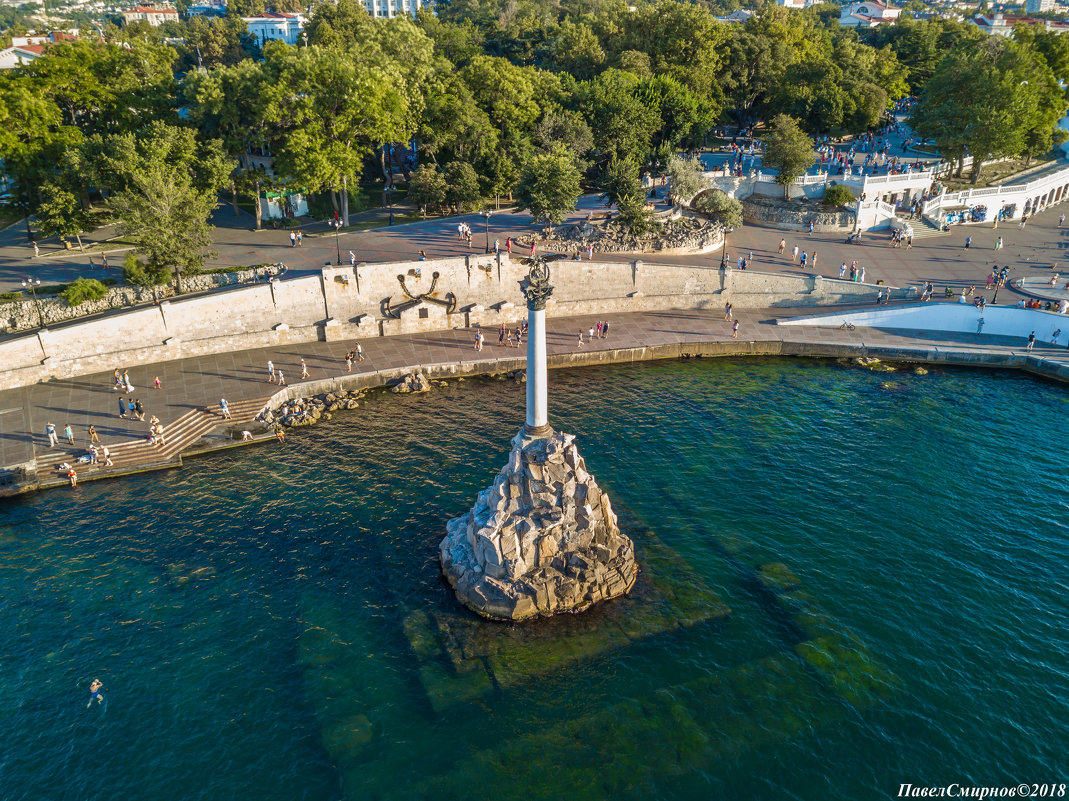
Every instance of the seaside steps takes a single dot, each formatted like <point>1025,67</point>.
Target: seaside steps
<point>133,454</point>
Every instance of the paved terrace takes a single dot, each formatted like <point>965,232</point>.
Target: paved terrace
<point>188,402</point>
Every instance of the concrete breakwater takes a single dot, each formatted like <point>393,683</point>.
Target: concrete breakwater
<point>363,301</point>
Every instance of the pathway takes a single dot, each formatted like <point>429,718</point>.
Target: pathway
<point>188,402</point>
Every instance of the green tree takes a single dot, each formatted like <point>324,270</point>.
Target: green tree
<point>1009,106</point>
<point>427,188</point>
<point>549,187</point>
<point>621,185</point>
<point>685,177</point>
<point>60,213</point>
<point>170,189</point>
<point>727,210</point>
<point>577,50</point>
<point>462,186</point>
<point>788,149</point>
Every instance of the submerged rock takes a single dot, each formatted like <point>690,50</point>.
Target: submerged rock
<point>542,540</point>
<point>919,371</point>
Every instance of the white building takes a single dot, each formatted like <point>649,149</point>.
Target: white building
<point>869,14</point>
<point>1038,6</point>
<point>16,56</point>
<point>1002,25</point>
<point>394,8</point>
<point>270,26</point>
<point>153,16</point>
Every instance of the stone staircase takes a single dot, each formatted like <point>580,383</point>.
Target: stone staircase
<point>136,454</point>
<point>923,228</point>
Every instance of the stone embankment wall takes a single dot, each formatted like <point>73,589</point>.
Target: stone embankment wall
<point>771,212</point>
<point>347,303</point>
<point>22,315</point>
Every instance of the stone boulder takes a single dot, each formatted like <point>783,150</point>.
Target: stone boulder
<point>541,540</point>
<point>413,382</point>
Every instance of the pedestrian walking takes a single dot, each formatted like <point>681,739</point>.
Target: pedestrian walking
<point>122,408</point>
<point>794,254</point>
<point>156,384</point>
<point>224,407</point>
<point>842,270</point>
<point>782,245</point>
<point>589,252</point>
<point>1031,343</point>
<point>579,336</point>
<point>508,245</point>
<point>104,260</point>
<point>998,243</point>
<point>304,370</point>
<point>37,250</point>
<point>281,379</point>
<point>300,238</point>
<point>1061,220</point>
<point>805,258</point>
<point>126,381</point>
<point>93,435</point>
<point>348,362</point>
<point>359,352</point>
<point>909,242</point>
<point>532,249</point>
<point>352,259</point>
<point>476,345</point>
<point>106,453</point>
<point>68,432</point>
<point>497,247</point>
<point>50,430</point>
<point>139,409</point>
<point>813,261</point>
<point>605,330</point>
<point>727,311</point>
<point>968,241</point>
<point>810,227</point>
<point>270,371</point>
<point>735,330</point>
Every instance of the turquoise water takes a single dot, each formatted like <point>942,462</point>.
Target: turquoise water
<point>269,623</point>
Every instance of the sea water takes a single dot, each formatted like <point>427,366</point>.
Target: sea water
<point>851,581</point>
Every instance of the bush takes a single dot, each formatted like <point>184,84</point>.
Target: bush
<point>83,289</point>
<point>726,209</point>
<point>136,272</point>
<point>838,195</point>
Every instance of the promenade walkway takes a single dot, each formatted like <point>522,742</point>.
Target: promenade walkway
<point>188,402</point>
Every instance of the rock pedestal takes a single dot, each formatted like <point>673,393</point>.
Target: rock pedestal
<point>542,540</point>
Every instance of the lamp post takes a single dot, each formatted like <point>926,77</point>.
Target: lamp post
<point>998,285</point>
<point>33,284</point>
<point>724,252</point>
<point>486,218</point>
<point>336,225</point>
<point>389,200</point>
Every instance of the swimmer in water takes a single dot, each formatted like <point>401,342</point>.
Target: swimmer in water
<point>94,692</point>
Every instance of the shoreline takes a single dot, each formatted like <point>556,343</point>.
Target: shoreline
<point>222,437</point>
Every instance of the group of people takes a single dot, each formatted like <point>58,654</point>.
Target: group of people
<point>464,231</point>
<point>599,330</point>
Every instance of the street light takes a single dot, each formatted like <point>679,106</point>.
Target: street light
<point>32,284</point>
<point>998,284</point>
<point>336,225</point>
<point>486,218</point>
<point>724,252</point>
<point>389,199</point>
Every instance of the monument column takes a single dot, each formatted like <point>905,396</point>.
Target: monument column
<point>537,290</point>
<point>543,538</point>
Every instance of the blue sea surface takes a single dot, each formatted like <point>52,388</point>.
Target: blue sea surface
<point>270,623</point>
